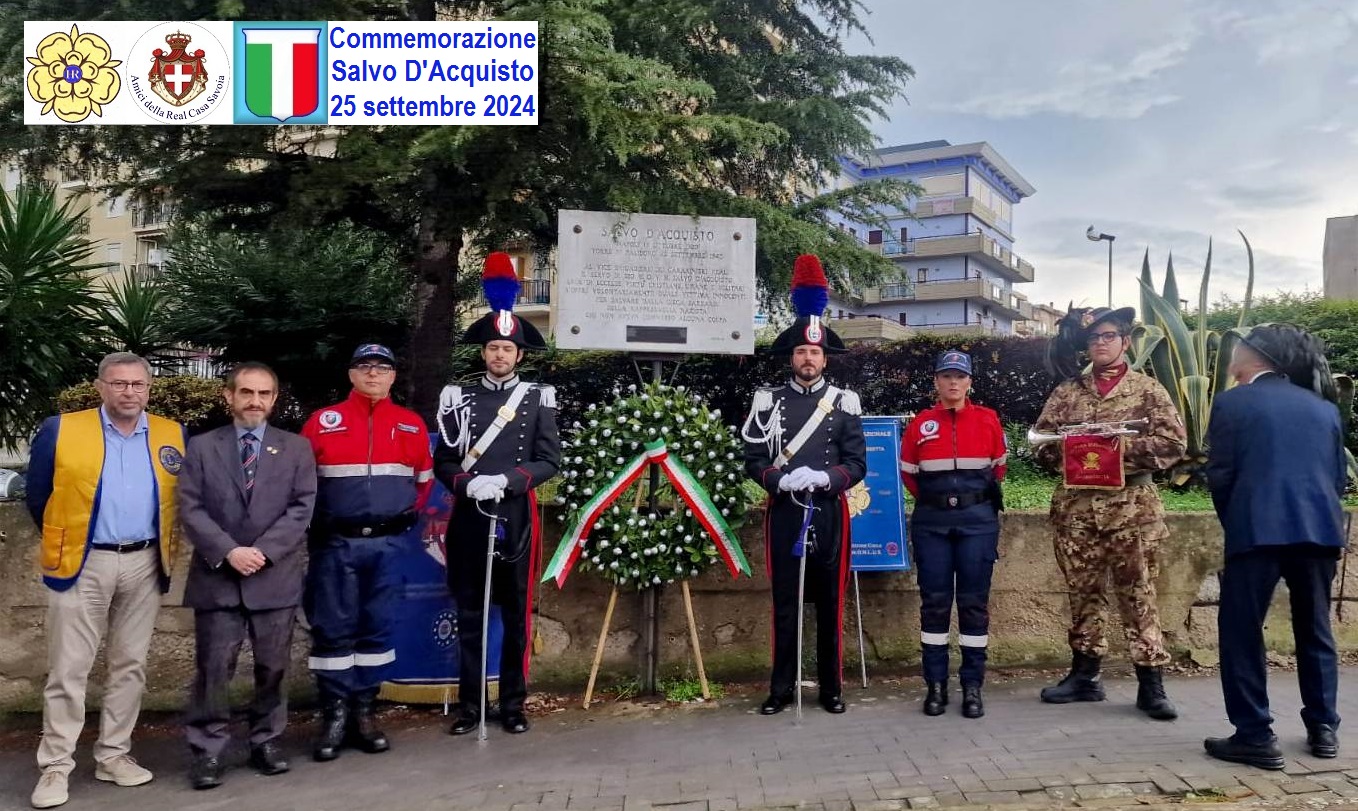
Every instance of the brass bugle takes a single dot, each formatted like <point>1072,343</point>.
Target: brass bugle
<point>1118,428</point>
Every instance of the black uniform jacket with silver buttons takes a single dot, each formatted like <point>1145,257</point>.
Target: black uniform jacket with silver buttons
<point>837,447</point>
<point>527,453</point>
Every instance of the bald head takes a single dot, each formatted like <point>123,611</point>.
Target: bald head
<point>1247,363</point>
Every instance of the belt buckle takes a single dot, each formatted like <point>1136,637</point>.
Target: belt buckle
<point>505,413</point>
<point>366,531</point>
<point>952,501</point>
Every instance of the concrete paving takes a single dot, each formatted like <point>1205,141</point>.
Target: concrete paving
<point>882,755</point>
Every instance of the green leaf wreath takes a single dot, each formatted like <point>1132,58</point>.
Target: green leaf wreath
<point>630,544</point>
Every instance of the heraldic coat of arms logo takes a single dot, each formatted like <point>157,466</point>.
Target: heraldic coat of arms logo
<point>178,77</point>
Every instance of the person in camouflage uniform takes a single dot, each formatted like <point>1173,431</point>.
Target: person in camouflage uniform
<point>1099,533</point>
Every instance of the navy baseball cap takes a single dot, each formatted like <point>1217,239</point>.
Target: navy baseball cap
<point>952,360</point>
<point>372,351</point>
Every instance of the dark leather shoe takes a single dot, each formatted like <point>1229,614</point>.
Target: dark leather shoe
<point>972,705</point>
<point>268,758</point>
<point>514,722</point>
<point>1262,755</point>
<point>1323,741</point>
<point>775,704</point>
<point>206,772</point>
<point>467,720</point>
<point>833,704</point>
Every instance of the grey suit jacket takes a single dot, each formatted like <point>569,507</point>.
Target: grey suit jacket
<point>216,518</point>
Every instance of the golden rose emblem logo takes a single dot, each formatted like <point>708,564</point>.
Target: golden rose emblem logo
<point>73,75</point>
<point>1092,461</point>
<point>859,499</point>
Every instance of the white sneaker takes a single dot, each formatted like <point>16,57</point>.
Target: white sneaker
<point>122,771</point>
<point>51,790</point>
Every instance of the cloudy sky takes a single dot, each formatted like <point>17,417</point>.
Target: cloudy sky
<point>1160,122</point>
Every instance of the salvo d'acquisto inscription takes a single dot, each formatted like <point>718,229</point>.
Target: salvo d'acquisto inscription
<point>655,282</point>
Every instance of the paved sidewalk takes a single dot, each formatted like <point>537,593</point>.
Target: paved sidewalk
<point>882,755</point>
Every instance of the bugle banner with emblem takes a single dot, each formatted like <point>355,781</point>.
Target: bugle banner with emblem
<point>1093,461</point>
<point>877,504</point>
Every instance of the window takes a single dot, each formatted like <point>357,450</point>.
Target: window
<point>905,234</point>
<point>985,311</point>
<point>113,254</point>
<point>902,319</point>
<point>117,206</point>
<point>922,275</point>
<point>875,237</point>
<point>952,185</point>
<point>853,232</point>
<point>11,178</point>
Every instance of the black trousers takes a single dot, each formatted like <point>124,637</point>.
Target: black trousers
<point>1247,584</point>
<point>511,588</point>
<point>827,570</point>
<point>218,637</point>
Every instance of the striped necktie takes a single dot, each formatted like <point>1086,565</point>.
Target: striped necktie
<point>249,460</point>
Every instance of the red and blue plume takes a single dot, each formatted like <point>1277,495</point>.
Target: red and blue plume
<point>810,290</point>
<point>499,281</point>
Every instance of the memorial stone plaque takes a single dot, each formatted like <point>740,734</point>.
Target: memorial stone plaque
<point>655,283</point>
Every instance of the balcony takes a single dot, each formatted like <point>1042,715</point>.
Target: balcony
<point>959,329</point>
<point>978,290</point>
<point>961,205</point>
<point>144,271</point>
<point>977,246</point>
<point>532,293</point>
<point>152,219</point>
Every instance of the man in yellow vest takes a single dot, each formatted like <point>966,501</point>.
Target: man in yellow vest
<point>101,486</point>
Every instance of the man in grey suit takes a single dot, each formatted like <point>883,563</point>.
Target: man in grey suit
<point>245,499</point>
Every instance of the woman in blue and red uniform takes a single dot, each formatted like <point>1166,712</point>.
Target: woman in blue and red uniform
<point>952,461</point>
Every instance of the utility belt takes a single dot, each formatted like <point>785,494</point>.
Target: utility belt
<point>954,501</point>
<point>366,529</point>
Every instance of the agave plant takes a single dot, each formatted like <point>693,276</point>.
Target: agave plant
<point>1192,365</point>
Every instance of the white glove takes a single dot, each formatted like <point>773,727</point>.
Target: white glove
<point>787,483</point>
<point>800,478</point>
<point>486,488</point>
<point>817,479</point>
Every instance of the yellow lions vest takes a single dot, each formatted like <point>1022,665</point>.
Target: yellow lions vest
<point>69,518</point>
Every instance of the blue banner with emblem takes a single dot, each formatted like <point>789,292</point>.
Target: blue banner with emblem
<point>425,634</point>
<point>877,504</point>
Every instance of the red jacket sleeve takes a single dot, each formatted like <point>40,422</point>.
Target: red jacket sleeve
<point>1000,452</point>
<point>910,456</point>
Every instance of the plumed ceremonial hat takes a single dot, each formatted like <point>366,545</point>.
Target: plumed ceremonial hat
<point>810,295</point>
<point>501,286</point>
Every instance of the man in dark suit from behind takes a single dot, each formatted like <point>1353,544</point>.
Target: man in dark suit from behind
<point>245,500</point>
<point>1277,472</point>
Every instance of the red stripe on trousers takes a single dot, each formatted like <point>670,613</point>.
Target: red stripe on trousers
<point>534,555</point>
<point>844,544</point>
<point>768,571</point>
<point>305,66</point>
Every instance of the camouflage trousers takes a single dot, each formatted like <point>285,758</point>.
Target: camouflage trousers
<point>1127,559</point>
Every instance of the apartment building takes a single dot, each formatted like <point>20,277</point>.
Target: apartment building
<point>953,245</point>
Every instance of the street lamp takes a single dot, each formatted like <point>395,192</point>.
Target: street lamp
<point>1094,236</point>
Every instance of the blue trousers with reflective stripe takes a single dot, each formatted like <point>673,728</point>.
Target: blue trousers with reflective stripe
<point>351,600</point>
<point>954,563</point>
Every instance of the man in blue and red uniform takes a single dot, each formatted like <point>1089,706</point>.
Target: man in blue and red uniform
<point>374,472</point>
<point>952,461</point>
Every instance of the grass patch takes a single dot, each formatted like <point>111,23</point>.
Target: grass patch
<point>685,689</point>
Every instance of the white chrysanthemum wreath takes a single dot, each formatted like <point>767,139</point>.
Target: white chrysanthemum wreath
<point>605,460</point>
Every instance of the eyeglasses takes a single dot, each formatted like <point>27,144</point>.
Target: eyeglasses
<point>1104,337</point>
<point>377,368</point>
<point>139,386</point>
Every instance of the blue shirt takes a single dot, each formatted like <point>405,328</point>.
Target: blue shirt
<point>127,490</point>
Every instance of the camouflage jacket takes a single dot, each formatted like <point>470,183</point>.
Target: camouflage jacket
<point>1158,448</point>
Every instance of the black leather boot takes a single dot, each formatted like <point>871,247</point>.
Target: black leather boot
<point>1082,683</point>
<point>972,706</point>
<point>361,732</point>
<point>937,698</point>
<point>334,718</point>
<point>1150,694</point>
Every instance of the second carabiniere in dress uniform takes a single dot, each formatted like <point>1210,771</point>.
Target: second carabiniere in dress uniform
<point>498,441</point>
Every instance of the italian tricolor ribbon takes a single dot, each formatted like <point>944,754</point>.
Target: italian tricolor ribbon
<point>684,483</point>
